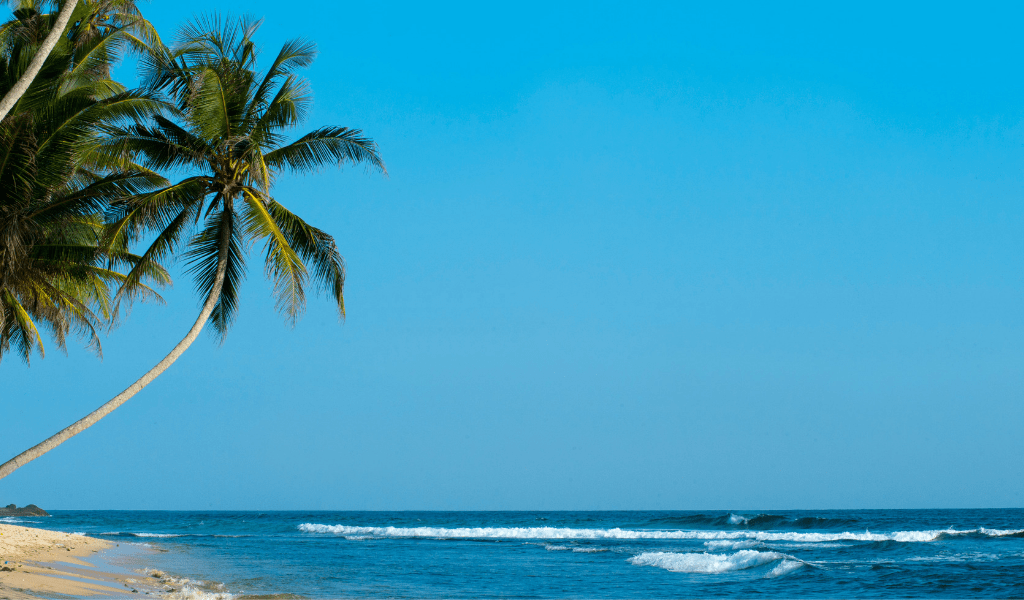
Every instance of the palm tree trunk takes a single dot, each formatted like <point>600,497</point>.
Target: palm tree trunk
<point>89,420</point>
<point>49,43</point>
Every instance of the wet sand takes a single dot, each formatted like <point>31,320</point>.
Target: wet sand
<point>36,563</point>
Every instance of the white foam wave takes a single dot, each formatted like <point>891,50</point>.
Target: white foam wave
<point>567,533</point>
<point>190,592</point>
<point>174,582</point>
<point>709,563</point>
<point>737,520</point>
<point>1000,532</point>
<point>156,535</point>
<point>182,581</point>
<point>580,549</point>
<point>784,568</point>
<point>970,557</point>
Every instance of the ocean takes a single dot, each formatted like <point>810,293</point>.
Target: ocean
<point>621,554</point>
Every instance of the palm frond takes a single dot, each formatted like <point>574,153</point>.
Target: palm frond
<point>211,116</point>
<point>325,146</point>
<point>294,54</point>
<point>148,266</point>
<point>202,258</point>
<point>316,248</point>
<point>19,330</point>
<point>282,265</point>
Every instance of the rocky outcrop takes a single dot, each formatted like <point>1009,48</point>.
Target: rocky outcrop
<point>28,511</point>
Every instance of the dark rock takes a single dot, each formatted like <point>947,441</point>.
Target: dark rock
<point>29,511</point>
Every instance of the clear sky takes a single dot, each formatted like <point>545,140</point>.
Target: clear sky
<point>629,256</point>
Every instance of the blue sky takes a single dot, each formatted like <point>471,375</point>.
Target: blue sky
<point>664,255</point>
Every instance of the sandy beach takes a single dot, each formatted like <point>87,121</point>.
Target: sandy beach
<point>36,563</point>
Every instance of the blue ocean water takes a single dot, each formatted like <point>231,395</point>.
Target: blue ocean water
<point>630,554</point>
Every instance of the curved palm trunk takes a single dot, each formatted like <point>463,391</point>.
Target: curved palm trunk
<point>89,420</point>
<point>49,43</point>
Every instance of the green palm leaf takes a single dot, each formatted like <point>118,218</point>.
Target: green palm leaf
<point>57,178</point>
<point>325,146</point>
<point>203,261</point>
<point>316,248</point>
<point>282,265</point>
<point>229,127</point>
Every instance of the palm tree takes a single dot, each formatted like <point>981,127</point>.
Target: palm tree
<point>55,185</point>
<point>117,23</point>
<point>15,92</point>
<point>227,128</point>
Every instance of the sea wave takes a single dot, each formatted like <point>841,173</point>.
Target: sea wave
<point>731,544</point>
<point>189,592</point>
<point>967,557</point>
<point>784,568</point>
<point>143,534</point>
<point>579,549</point>
<point>756,521</point>
<point>567,533</point>
<point>717,563</point>
<point>16,520</point>
<point>1001,532</point>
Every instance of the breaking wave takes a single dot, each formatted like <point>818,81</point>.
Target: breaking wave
<point>784,568</point>
<point>717,563</point>
<point>566,533</point>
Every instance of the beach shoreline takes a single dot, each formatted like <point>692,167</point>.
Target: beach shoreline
<point>40,563</point>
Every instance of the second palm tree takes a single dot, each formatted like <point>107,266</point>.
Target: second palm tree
<point>227,130</point>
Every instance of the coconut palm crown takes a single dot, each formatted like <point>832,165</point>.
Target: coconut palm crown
<point>55,186</point>
<point>228,132</point>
